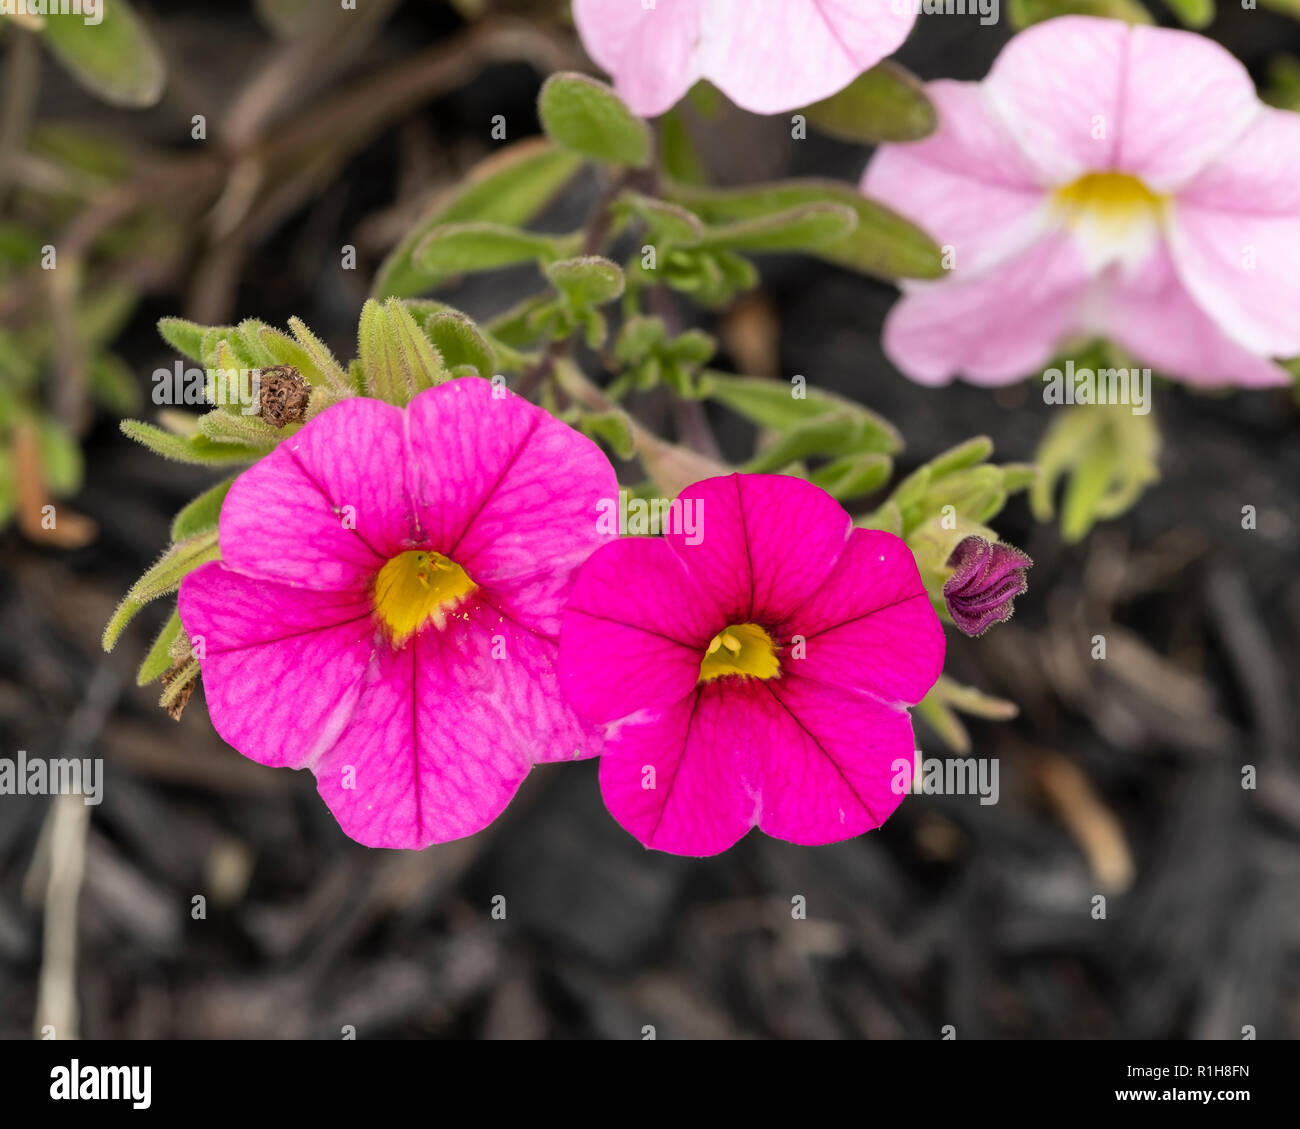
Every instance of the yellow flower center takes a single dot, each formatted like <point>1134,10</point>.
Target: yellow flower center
<point>1112,201</point>
<point>418,587</point>
<point>745,649</point>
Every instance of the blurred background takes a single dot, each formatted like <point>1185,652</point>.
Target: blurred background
<point>1120,777</point>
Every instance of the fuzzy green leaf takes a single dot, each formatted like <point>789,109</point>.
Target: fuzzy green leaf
<point>886,103</point>
<point>779,405</point>
<point>398,362</point>
<point>463,248</point>
<point>158,661</point>
<point>165,576</point>
<point>883,243</point>
<point>509,188</point>
<point>202,513</point>
<point>460,343</point>
<point>587,117</point>
<point>587,282</point>
<point>115,59</point>
<point>197,449</point>
<point>799,229</point>
<point>186,337</point>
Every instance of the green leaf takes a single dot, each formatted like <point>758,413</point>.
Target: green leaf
<point>101,316</point>
<point>165,576</point>
<point>186,337</point>
<point>887,103</point>
<point>968,454</point>
<point>669,224</point>
<point>201,514</point>
<point>837,433</point>
<point>502,357</point>
<point>1107,456</point>
<point>61,461</point>
<point>249,333</point>
<point>852,476</point>
<point>115,59</point>
<point>213,339</point>
<point>779,405</point>
<point>1286,7</point>
<point>321,359</point>
<point>1193,13</point>
<point>196,449</point>
<point>397,360</point>
<point>158,661</point>
<point>612,427</point>
<point>801,228</point>
<point>509,188</point>
<point>241,430</point>
<point>460,343</point>
<point>587,117</point>
<point>1023,13</point>
<point>681,161</point>
<point>113,384</point>
<point>883,243</point>
<point>586,282</point>
<point>887,518</point>
<point>463,248</point>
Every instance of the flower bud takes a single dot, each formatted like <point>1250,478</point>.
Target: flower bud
<point>987,577</point>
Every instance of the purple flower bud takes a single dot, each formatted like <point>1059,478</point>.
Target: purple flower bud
<point>987,578</point>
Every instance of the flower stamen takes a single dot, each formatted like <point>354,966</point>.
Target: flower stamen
<point>416,588</point>
<point>744,649</point>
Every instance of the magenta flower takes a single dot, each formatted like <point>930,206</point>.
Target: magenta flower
<point>767,56</point>
<point>1104,180</point>
<point>386,609</point>
<point>756,672</point>
<point>987,577</point>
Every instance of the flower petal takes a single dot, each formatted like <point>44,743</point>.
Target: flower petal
<point>634,631</point>
<point>870,626</point>
<point>1235,236</point>
<point>676,777</point>
<point>1083,94</point>
<point>769,56</point>
<point>327,507</point>
<point>968,184</point>
<point>1185,98</point>
<point>445,730</point>
<point>650,51</point>
<point>508,492</point>
<point>282,666</point>
<point>1152,315</point>
<point>830,771</point>
<point>763,543</point>
<point>993,329</point>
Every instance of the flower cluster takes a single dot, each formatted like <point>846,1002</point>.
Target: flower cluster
<point>423,585</point>
<point>390,605</point>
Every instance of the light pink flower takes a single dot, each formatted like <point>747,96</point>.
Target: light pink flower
<point>756,668</point>
<point>1104,180</point>
<point>387,603</point>
<point>767,56</point>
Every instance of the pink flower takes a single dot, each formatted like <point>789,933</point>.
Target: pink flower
<point>756,671</point>
<point>387,604</point>
<point>1104,180</point>
<point>767,56</point>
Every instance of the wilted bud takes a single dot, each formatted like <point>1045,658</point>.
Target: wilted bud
<point>284,395</point>
<point>987,577</point>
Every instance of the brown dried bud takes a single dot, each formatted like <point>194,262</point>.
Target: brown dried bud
<point>284,395</point>
<point>175,703</point>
